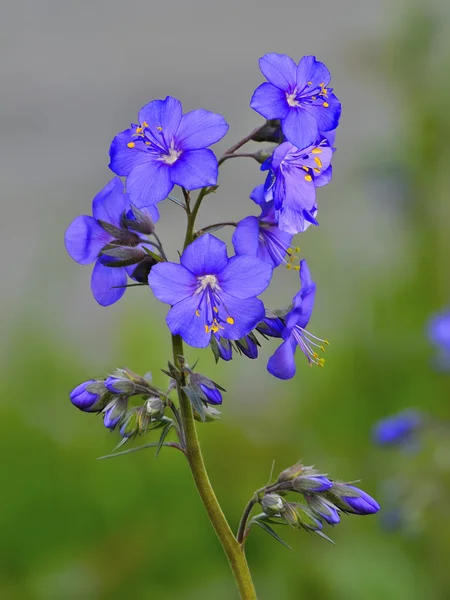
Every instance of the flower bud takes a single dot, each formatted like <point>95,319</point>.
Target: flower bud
<point>270,132</point>
<point>142,270</point>
<point>119,385</point>
<point>139,219</point>
<point>154,407</point>
<point>272,504</point>
<point>221,347</point>
<point>291,472</point>
<point>352,500</point>
<point>323,508</point>
<point>212,394</point>
<point>397,429</point>
<point>121,256</point>
<point>130,423</point>
<point>248,345</point>
<point>87,395</point>
<point>311,484</point>
<point>298,515</point>
<point>271,326</point>
<point>114,412</point>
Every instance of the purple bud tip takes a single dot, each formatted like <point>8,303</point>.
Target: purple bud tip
<point>363,504</point>
<point>213,395</point>
<point>111,418</point>
<point>321,483</point>
<point>109,384</point>
<point>82,398</point>
<point>331,517</point>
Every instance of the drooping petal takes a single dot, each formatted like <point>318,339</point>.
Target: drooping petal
<point>324,178</point>
<point>291,220</point>
<point>245,237</point>
<point>258,195</point>
<point>311,71</point>
<point>245,276</point>
<point>199,129</point>
<point>109,204</point>
<point>162,118</point>
<point>246,314</point>
<point>207,255</point>
<point>326,111</point>
<point>282,363</point>
<point>280,70</point>
<point>195,169</point>
<point>300,127</point>
<point>124,159</point>
<point>104,281</point>
<point>149,183</point>
<point>183,320</point>
<point>84,239</point>
<point>269,101</point>
<point>171,283</point>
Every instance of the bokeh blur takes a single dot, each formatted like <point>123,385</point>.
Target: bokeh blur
<point>73,74</point>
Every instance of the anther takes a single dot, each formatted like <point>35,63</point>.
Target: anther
<point>130,144</point>
<point>316,151</point>
<point>230,320</point>
<point>308,178</point>
<point>326,105</point>
<point>318,161</point>
<point>197,313</point>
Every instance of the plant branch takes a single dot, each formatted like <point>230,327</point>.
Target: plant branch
<point>216,226</point>
<point>151,445</point>
<point>245,515</point>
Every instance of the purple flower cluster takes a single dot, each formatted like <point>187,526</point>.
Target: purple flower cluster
<point>213,298</point>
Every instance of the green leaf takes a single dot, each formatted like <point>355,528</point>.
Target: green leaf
<point>196,402</point>
<point>271,532</point>
<point>164,433</point>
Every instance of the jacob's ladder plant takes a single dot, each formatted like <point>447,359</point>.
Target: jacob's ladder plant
<point>213,297</point>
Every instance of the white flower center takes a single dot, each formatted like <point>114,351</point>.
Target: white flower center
<point>292,99</point>
<point>172,157</point>
<point>207,281</point>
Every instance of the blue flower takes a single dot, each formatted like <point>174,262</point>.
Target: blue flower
<point>292,180</point>
<point>282,363</point>
<point>439,334</point>
<point>211,293</point>
<point>167,148</point>
<point>261,236</point>
<point>248,345</point>
<point>86,237</point>
<point>212,394</point>
<point>397,429</point>
<point>298,96</point>
<point>221,347</point>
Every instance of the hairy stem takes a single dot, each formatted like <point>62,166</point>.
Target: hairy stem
<point>233,550</point>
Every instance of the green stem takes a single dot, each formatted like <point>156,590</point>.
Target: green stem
<point>233,550</point>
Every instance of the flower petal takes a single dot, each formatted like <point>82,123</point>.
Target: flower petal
<point>103,282</point>
<point>109,204</point>
<point>171,282</point>
<point>124,159</point>
<point>149,183</point>
<point>246,314</point>
<point>245,238</point>
<point>324,177</point>
<point>291,220</point>
<point>258,195</point>
<point>195,169</point>
<point>282,363</point>
<point>326,112</point>
<point>280,70</point>
<point>84,239</point>
<point>245,276</point>
<point>162,118</point>
<point>300,127</point>
<point>207,255</point>
<point>199,129</point>
<point>269,101</point>
<point>311,70</point>
<point>182,320</point>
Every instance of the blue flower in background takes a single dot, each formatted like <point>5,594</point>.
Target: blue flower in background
<point>282,363</point>
<point>261,236</point>
<point>87,236</point>
<point>397,429</point>
<point>165,149</point>
<point>439,334</point>
<point>211,293</point>
<point>298,96</point>
<point>292,180</point>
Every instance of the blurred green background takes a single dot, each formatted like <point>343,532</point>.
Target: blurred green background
<point>74,74</point>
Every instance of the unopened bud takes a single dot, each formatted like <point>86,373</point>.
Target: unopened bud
<point>120,385</point>
<point>114,412</point>
<point>352,500</point>
<point>248,345</point>
<point>139,219</point>
<point>90,396</point>
<point>154,407</point>
<point>272,504</point>
<point>270,132</point>
<point>291,472</point>
<point>311,484</point>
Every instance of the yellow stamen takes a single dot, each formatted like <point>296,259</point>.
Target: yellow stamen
<point>206,329</point>
<point>145,124</point>
<point>148,143</point>
<point>314,97</point>
<point>318,161</point>
<point>159,128</point>
<point>130,144</point>
<point>326,105</point>
<point>139,130</point>
<point>289,250</point>
<point>289,266</point>
<point>297,248</point>
<point>316,171</point>
<point>308,178</point>
<point>305,168</point>
<point>316,151</point>
<point>215,309</point>
<point>296,268</point>
<point>197,313</point>
<point>230,320</point>
<point>309,82</point>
